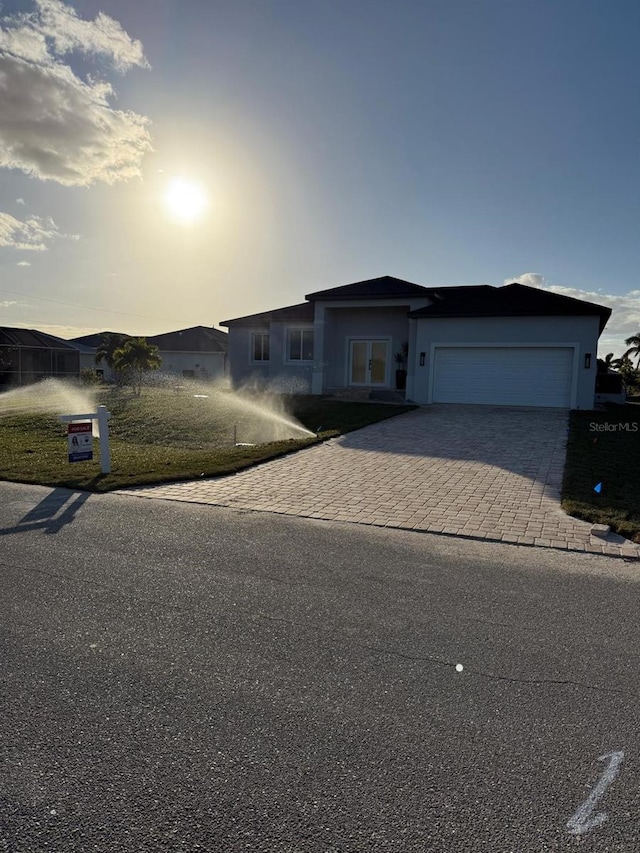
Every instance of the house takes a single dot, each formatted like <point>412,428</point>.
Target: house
<point>512,345</point>
<point>26,356</point>
<point>87,346</point>
<point>199,352</point>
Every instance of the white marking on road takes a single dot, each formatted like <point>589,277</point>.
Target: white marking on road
<point>459,667</point>
<point>581,821</point>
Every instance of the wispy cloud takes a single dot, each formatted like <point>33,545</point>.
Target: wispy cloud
<point>625,316</point>
<point>23,264</point>
<point>103,36</point>
<point>34,234</point>
<point>56,125</point>
<point>20,201</point>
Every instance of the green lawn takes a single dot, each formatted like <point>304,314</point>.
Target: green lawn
<point>165,435</point>
<point>604,447</point>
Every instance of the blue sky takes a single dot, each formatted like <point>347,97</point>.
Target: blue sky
<point>446,143</point>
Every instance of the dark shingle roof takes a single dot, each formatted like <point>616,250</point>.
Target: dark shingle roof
<point>303,312</point>
<point>95,339</point>
<point>385,287</point>
<point>194,339</point>
<point>511,300</point>
<point>13,337</point>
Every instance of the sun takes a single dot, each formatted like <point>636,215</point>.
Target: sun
<point>185,201</point>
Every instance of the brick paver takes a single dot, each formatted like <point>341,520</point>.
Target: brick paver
<point>476,471</point>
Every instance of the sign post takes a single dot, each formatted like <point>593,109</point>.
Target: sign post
<point>82,448</point>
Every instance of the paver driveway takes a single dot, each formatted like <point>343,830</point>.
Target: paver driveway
<point>478,471</point>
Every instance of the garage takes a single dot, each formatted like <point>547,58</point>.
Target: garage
<point>503,376</point>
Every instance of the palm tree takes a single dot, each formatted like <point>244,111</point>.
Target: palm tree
<point>621,363</point>
<point>634,343</point>
<point>609,359</point>
<point>106,350</point>
<point>135,357</point>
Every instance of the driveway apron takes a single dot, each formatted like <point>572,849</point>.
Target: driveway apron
<point>476,471</point>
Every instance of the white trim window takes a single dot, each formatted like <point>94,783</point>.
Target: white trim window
<point>260,346</point>
<point>300,345</point>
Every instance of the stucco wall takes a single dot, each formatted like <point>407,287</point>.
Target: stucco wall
<point>279,372</point>
<point>558,331</point>
<point>239,353</point>
<point>205,365</point>
<point>344,323</point>
<point>88,362</point>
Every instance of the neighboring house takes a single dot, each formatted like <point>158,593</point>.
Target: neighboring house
<point>87,346</point>
<point>199,352</point>
<point>26,356</point>
<point>196,353</point>
<point>512,345</point>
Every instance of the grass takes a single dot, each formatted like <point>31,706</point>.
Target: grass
<point>604,447</point>
<point>164,436</point>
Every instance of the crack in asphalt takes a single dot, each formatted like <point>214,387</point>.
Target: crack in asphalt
<point>492,676</point>
<point>559,682</point>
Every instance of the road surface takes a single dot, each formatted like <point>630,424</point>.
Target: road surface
<point>177,677</point>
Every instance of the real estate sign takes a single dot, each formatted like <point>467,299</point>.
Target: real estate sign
<point>80,442</point>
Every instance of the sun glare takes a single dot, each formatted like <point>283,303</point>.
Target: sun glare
<point>185,201</point>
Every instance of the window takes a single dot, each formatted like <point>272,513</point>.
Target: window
<point>260,346</point>
<point>301,345</point>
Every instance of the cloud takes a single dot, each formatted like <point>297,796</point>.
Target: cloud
<point>625,317</point>
<point>56,125</point>
<point>103,36</point>
<point>33,234</point>
<point>23,264</point>
<point>533,279</point>
<point>20,201</point>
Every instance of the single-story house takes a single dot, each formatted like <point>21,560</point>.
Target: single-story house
<point>199,352</point>
<point>27,355</point>
<point>87,346</point>
<point>512,345</point>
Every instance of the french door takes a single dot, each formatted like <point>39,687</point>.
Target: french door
<point>368,362</point>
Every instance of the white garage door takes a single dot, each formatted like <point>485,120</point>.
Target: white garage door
<point>503,376</point>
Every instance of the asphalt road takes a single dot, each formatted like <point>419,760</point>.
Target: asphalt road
<point>177,677</point>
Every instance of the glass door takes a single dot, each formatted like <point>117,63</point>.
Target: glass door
<point>368,362</point>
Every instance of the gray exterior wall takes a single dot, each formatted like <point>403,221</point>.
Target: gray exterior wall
<point>242,370</point>
<point>342,324</point>
<point>337,320</point>
<point>581,332</point>
<point>280,373</point>
<point>205,365</point>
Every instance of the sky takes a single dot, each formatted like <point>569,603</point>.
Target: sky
<point>170,163</point>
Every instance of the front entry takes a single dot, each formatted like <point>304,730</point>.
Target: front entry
<point>368,362</point>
